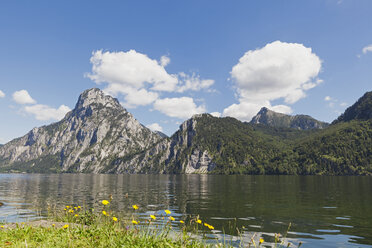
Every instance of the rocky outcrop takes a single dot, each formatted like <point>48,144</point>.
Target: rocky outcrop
<point>268,117</point>
<point>177,154</point>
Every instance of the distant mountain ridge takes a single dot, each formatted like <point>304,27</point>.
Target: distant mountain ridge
<point>304,122</point>
<point>100,136</point>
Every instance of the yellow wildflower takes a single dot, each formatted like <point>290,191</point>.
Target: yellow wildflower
<point>167,211</point>
<point>79,207</point>
<point>134,222</point>
<point>114,218</point>
<point>105,202</point>
<point>70,211</point>
<point>65,226</point>
<point>104,212</point>
<point>153,217</point>
<point>2,226</point>
<point>53,225</point>
<point>198,221</point>
<point>67,206</point>
<point>65,209</point>
<point>182,222</point>
<point>135,207</point>
<point>76,215</point>
<point>211,227</point>
<point>172,219</point>
<point>261,240</point>
<point>75,208</point>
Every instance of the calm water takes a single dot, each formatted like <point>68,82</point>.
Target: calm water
<point>324,211</point>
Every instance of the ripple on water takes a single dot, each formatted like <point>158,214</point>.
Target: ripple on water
<point>346,226</point>
<point>328,231</point>
<point>343,218</point>
<point>255,226</point>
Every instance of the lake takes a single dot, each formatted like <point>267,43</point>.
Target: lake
<point>323,211</point>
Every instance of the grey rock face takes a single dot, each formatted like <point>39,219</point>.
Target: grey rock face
<point>90,138</point>
<point>176,154</point>
<point>274,119</point>
<point>199,162</point>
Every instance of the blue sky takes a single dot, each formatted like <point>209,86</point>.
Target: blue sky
<point>167,60</point>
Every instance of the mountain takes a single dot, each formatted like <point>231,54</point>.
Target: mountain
<point>161,134</point>
<point>207,144</point>
<point>361,110</point>
<point>100,136</point>
<point>344,148</point>
<point>88,139</point>
<point>304,122</point>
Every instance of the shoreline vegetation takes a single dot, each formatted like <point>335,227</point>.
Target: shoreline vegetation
<point>75,226</point>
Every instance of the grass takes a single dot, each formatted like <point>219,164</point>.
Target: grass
<point>75,226</point>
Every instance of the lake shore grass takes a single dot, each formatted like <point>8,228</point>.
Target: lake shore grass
<point>75,226</point>
<point>56,235</point>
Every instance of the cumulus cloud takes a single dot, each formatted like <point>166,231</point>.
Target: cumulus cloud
<point>131,69</point>
<point>193,82</point>
<point>216,114</point>
<point>367,49</point>
<point>2,94</point>
<point>44,112</point>
<point>182,107</point>
<point>132,74</point>
<point>278,70</point>
<point>22,97</point>
<point>155,127</point>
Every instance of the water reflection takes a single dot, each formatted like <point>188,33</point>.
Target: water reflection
<point>324,211</point>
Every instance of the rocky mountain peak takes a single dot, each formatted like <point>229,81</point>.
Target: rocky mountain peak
<point>271,118</point>
<point>96,96</point>
<point>265,116</point>
<point>90,138</point>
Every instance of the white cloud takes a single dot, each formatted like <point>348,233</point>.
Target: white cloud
<point>183,107</point>
<point>155,127</point>
<point>367,49</point>
<point>44,112</point>
<point>132,74</point>
<point>193,82</point>
<point>327,98</point>
<point>282,109</point>
<point>278,70</point>
<point>216,114</point>
<point>164,61</point>
<point>22,97</point>
<point>2,94</point>
<point>130,69</point>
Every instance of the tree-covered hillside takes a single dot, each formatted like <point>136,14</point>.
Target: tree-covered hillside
<point>341,149</point>
<point>361,110</point>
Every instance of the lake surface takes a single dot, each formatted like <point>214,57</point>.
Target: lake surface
<point>324,211</point>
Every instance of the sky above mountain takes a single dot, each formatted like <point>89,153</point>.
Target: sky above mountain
<point>168,60</point>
